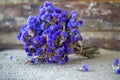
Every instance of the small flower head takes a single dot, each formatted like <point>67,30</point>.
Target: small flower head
<point>62,62</point>
<point>64,34</point>
<point>116,62</point>
<point>74,13</point>
<point>29,54</point>
<point>11,57</point>
<point>85,68</point>
<point>33,60</point>
<point>118,71</point>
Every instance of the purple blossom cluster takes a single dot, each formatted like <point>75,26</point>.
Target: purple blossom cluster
<point>116,66</point>
<point>49,36</point>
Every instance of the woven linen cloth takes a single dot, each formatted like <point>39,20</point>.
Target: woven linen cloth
<point>15,69</point>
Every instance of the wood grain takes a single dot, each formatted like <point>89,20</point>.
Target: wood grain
<point>101,22</point>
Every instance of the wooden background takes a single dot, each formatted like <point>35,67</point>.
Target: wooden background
<point>101,21</point>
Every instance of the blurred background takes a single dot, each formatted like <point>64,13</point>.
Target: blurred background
<point>101,21</point>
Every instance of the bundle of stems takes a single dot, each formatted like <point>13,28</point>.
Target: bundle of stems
<point>85,50</point>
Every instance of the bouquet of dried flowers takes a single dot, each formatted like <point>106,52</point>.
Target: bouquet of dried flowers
<point>52,35</point>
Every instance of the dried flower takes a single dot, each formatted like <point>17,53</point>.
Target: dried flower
<point>33,60</point>
<point>50,34</point>
<point>85,68</point>
<point>11,57</point>
<point>116,62</point>
<point>116,66</point>
<point>118,71</point>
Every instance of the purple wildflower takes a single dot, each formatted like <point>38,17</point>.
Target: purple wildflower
<point>11,57</point>
<point>85,68</point>
<point>118,71</point>
<point>116,62</point>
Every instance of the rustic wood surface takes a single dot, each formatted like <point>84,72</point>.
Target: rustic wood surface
<point>101,21</point>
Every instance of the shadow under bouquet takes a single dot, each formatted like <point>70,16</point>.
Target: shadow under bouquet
<point>52,35</point>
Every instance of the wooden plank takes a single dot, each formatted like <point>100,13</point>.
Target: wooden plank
<point>13,16</point>
<point>100,28</point>
<point>5,2</point>
<point>10,46</point>
<point>105,43</point>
